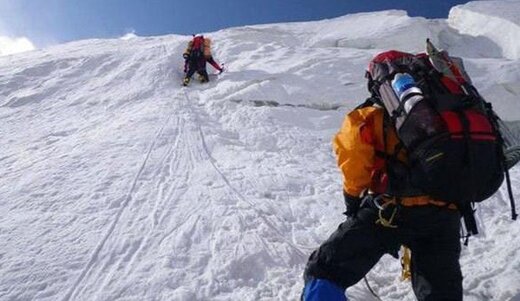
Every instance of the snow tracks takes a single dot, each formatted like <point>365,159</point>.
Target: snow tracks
<point>183,231</point>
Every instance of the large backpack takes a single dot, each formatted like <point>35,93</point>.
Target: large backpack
<point>197,47</point>
<point>451,136</point>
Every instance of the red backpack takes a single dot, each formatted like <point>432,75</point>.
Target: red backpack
<point>197,47</point>
<point>450,133</point>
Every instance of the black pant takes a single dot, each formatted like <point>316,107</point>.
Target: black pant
<point>431,232</point>
<point>197,65</point>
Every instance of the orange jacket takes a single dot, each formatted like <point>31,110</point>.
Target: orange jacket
<point>356,144</point>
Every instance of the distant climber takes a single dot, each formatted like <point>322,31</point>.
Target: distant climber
<point>196,55</point>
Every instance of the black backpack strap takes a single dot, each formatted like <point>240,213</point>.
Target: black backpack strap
<point>399,111</point>
<point>496,128</point>
<point>470,223</point>
<point>388,123</point>
<point>369,102</point>
<point>371,84</point>
<point>396,170</point>
<point>510,192</point>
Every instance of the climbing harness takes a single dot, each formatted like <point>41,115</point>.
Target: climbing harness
<point>383,204</point>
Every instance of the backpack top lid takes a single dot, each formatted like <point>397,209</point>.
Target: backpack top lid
<point>385,65</point>
<point>389,62</point>
<point>391,55</point>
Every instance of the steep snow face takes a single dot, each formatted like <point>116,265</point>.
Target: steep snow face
<point>497,21</point>
<point>367,31</point>
<point>118,184</point>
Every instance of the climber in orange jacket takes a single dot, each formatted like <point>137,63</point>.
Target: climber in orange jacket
<point>384,211</point>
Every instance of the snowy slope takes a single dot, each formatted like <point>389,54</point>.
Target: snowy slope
<point>116,184</point>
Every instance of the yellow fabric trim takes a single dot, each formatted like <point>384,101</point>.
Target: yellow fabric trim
<point>406,260</point>
<point>425,200</point>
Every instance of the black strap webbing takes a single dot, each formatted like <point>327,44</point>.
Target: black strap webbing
<point>470,223</point>
<point>510,192</point>
<point>368,103</point>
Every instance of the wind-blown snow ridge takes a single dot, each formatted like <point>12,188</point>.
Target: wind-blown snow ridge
<point>497,20</point>
<point>118,184</point>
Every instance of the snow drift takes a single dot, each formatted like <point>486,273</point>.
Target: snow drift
<point>116,184</point>
<point>498,21</point>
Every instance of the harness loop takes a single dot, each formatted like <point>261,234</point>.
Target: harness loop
<point>382,205</point>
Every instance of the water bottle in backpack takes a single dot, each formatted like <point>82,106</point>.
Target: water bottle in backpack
<point>423,122</point>
<point>406,89</point>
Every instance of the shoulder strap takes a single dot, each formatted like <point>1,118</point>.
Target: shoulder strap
<point>372,100</point>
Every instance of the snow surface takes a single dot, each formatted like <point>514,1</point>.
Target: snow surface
<point>498,21</point>
<point>118,184</point>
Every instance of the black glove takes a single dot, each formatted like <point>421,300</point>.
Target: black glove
<point>185,56</point>
<point>352,204</point>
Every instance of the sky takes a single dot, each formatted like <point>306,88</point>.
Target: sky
<point>41,23</point>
